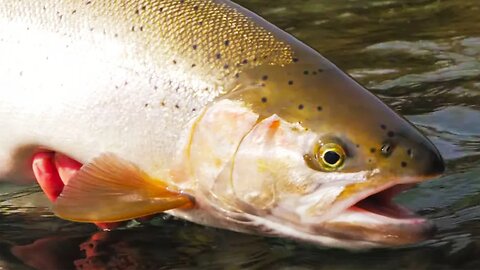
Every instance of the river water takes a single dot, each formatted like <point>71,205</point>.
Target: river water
<point>422,57</point>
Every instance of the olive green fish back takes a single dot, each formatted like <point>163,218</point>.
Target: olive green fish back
<point>198,36</point>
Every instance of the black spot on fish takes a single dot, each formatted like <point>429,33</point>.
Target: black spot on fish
<point>300,106</point>
<point>218,56</point>
<point>320,70</point>
<point>141,28</point>
<point>137,11</point>
<point>194,46</point>
<point>390,134</point>
<point>290,82</point>
<point>403,164</point>
<point>225,66</point>
<point>88,3</point>
<point>162,103</point>
<point>160,9</point>
<point>176,106</point>
<point>146,105</point>
<point>227,42</point>
<point>357,145</point>
<point>195,8</point>
<point>200,23</point>
<point>295,60</point>
<point>305,72</point>
<point>245,61</point>
<point>133,28</point>
<point>155,88</point>
<point>194,65</point>
<point>372,150</point>
<point>264,77</point>
<point>115,35</point>
<point>369,160</point>
<point>194,109</point>
<point>74,11</point>
<point>174,62</point>
<point>255,59</point>
<point>264,99</point>
<point>410,153</point>
<point>319,108</point>
<point>382,126</point>
<point>182,1</point>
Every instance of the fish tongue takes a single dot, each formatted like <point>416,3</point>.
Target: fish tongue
<point>110,189</point>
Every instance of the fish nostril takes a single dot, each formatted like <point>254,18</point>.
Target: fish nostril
<point>410,153</point>
<point>386,149</point>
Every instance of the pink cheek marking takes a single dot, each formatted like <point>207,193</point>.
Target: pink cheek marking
<point>273,128</point>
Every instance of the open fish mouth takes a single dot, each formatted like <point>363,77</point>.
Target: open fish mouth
<point>381,203</point>
<point>373,216</point>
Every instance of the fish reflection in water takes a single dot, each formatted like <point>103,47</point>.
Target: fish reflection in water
<point>168,243</point>
<point>146,247</point>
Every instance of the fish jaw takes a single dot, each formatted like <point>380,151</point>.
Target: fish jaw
<point>369,219</point>
<point>352,228</point>
<point>371,215</point>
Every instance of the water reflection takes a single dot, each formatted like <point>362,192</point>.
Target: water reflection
<point>36,239</point>
<point>173,245</point>
<point>178,246</point>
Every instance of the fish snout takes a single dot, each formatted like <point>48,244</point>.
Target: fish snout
<point>435,164</point>
<point>411,158</point>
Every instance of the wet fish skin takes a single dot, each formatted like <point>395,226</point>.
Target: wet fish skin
<point>141,80</point>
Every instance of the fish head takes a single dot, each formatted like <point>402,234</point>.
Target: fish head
<point>325,158</point>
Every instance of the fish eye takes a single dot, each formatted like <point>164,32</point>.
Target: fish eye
<point>330,156</point>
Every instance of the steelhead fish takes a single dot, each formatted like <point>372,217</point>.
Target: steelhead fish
<point>205,110</point>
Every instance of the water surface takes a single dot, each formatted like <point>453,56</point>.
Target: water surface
<point>422,57</point>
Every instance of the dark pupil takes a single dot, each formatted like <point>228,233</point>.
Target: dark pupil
<point>331,157</point>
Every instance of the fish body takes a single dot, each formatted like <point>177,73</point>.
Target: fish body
<point>260,131</point>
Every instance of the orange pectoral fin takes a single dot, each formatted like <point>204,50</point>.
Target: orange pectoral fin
<point>110,189</point>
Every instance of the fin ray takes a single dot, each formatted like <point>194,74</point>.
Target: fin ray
<point>110,189</point>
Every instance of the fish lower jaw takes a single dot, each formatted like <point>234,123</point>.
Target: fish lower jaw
<point>359,215</point>
<point>377,218</point>
<point>385,231</point>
